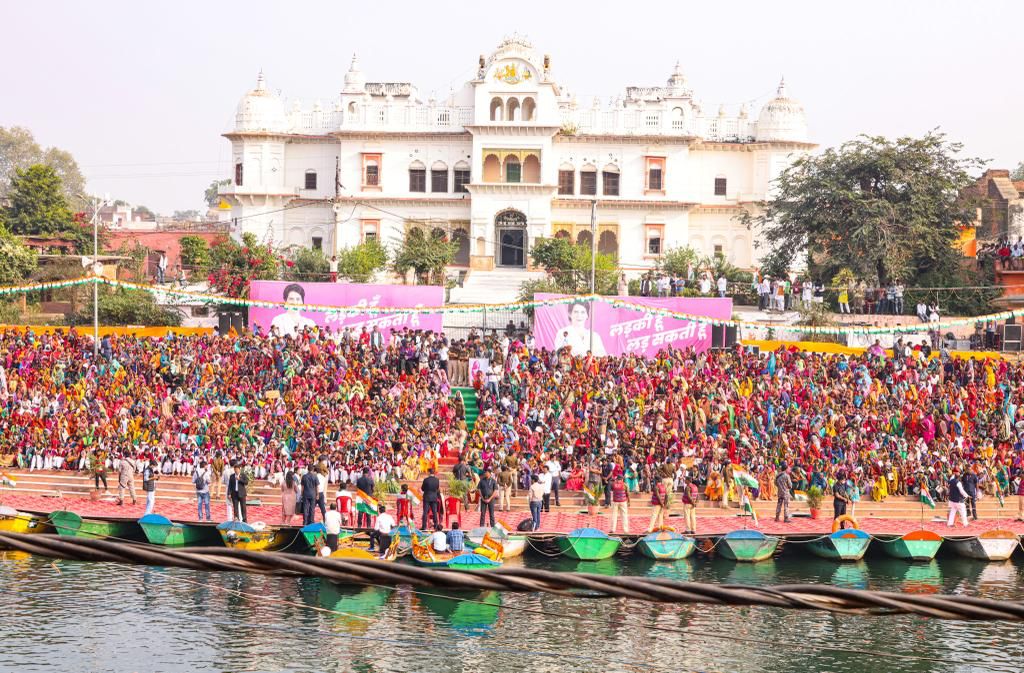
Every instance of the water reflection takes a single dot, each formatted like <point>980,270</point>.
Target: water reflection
<point>353,608</point>
<point>468,612</point>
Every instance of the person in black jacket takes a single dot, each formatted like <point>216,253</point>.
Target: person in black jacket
<point>431,488</point>
<point>237,483</point>
<point>310,486</point>
<point>970,482</point>
<point>364,484</point>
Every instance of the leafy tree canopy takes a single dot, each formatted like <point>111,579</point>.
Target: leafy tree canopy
<point>38,208</point>
<point>887,210</point>
<point>19,149</point>
<point>212,195</point>
<point>1018,173</point>
<point>195,252</point>
<point>17,261</point>
<point>568,267</point>
<point>233,265</point>
<point>121,306</point>
<point>426,254</point>
<point>361,262</point>
<point>306,265</point>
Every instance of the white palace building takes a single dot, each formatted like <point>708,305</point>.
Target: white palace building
<point>509,158</point>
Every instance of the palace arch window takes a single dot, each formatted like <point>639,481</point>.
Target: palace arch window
<point>439,177</point>
<point>497,110</point>
<point>417,177</point>
<point>588,180</point>
<point>512,110</point>
<point>608,243</point>
<point>529,110</point>
<point>461,176</point>
<point>584,237</point>
<point>610,180</point>
<point>513,169</point>
<point>531,169</point>
<point>310,179</point>
<point>566,179</point>
<point>492,168</point>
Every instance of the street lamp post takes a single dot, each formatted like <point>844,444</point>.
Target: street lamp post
<point>97,203</point>
<point>593,267</point>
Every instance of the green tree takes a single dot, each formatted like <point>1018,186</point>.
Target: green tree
<point>138,257</point>
<point>195,252</point>
<point>1018,173</point>
<point>361,262</point>
<point>568,266</point>
<point>186,215</point>
<point>306,265</point>
<point>678,261</point>
<point>37,207</point>
<point>212,193</point>
<point>17,261</point>
<point>427,255</point>
<point>234,265</point>
<point>144,213</point>
<point>19,149</point>
<point>887,210</point>
<point>122,306</point>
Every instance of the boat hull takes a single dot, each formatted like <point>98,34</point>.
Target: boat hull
<point>747,546</point>
<point>841,546</point>
<point>70,524</point>
<point>919,546</point>
<point>985,549</point>
<point>20,522</point>
<point>464,561</point>
<point>172,534</point>
<point>674,549</point>
<point>588,548</point>
<point>262,540</point>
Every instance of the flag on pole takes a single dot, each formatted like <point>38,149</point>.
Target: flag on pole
<point>366,504</point>
<point>926,498</point>
<point>742,477</point>
<point>415,496</point>
<point>999,494</point>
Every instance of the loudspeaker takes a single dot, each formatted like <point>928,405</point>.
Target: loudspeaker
<point>730,336</point>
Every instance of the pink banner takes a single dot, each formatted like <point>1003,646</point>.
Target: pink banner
<point>621,330</point>
<point>289,321</point>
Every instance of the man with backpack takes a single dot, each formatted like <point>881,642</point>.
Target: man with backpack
<point>201,480</point>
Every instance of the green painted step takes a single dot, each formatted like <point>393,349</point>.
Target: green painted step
<point>472,409</point>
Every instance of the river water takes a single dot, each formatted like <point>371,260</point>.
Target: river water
<point>70,616</point>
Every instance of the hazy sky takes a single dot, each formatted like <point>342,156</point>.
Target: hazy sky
<point>140,92</point>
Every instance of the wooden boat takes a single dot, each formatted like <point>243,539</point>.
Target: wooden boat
<point>315,535</point>
<point>405,534</point>
<point>512,545</point>
<point>588,544</point>
<point>160,530</point>
<point>424,555</point>
<point>993,545</point>
<point>848,544</point>
<point>70,524</point>
<point>747,545</point>
<point>918,545</point>
<point>257,537</point>
<point>349,548</point>
<point>666,545</point>
<point>13,521</point>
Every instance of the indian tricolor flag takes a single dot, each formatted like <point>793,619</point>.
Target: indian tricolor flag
<point>366,504</point>
<point>7,480</point>
<point>926,498</point>
<point>415,496</point>
<point>742,477</point>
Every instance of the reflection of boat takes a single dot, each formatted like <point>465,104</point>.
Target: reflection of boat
<point>588,544</point>
<point>993,545</point>
<point>162,531</point>
<point>747,545</point>
<point>70,524</point>
<point>681,571</point>
<point>609,566</point>
<point>512,545</point>
<point>922,578</point>
<point>13,521</point>
<point>666,545</point>
<point>256,537</point>
<point>424,555</point>
<point>847,544</point>
<point>356,607</point>
<point>851,575</point>
<point>349,548</point>
<point>753,573</point>
<point>463,609</point>
<point>918,545</point>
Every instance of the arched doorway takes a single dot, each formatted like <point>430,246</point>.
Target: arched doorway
<point>608,244</point>
<point>510,234</point>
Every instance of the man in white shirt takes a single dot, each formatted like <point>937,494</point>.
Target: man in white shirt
<point>722,285</point>
<point>438,540</point>
<point>332,522</point>
<point>545,482</point>
<point>555,472</point>
<point>381,533</point>
<point>705,284</point>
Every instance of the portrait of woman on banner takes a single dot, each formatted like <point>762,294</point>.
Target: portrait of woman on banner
<point>576,335</point>
<point>292,322</point>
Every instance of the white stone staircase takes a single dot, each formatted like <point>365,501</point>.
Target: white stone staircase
<point>492,287</point>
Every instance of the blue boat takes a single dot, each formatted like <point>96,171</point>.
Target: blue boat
<point>846,544</point>
<point>588,544</point>
<point>747,545</point>
<point>666,545</point>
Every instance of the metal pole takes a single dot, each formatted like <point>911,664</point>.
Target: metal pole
<point>95,284</point>
<point>593,266</point>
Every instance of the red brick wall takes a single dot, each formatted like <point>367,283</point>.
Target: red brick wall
<point>160,241</point>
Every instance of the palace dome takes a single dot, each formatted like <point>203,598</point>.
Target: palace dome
<point>260,110</point>
<point>782,119</point>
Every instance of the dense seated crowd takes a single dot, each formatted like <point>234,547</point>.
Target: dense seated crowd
<point>884,423</point>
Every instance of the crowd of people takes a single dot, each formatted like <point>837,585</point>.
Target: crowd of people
<point>353,404</point>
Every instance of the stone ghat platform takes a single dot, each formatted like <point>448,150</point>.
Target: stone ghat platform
<point>710,522</point>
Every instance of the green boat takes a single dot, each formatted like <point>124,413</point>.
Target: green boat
<point>747,545</point>
<point>848,544</point>
<point>918,545</point>
<point>315,535</point>
<point>666,545</point>
<point>588,544</point>
<point>162,531</point>
<point>70,524</point>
